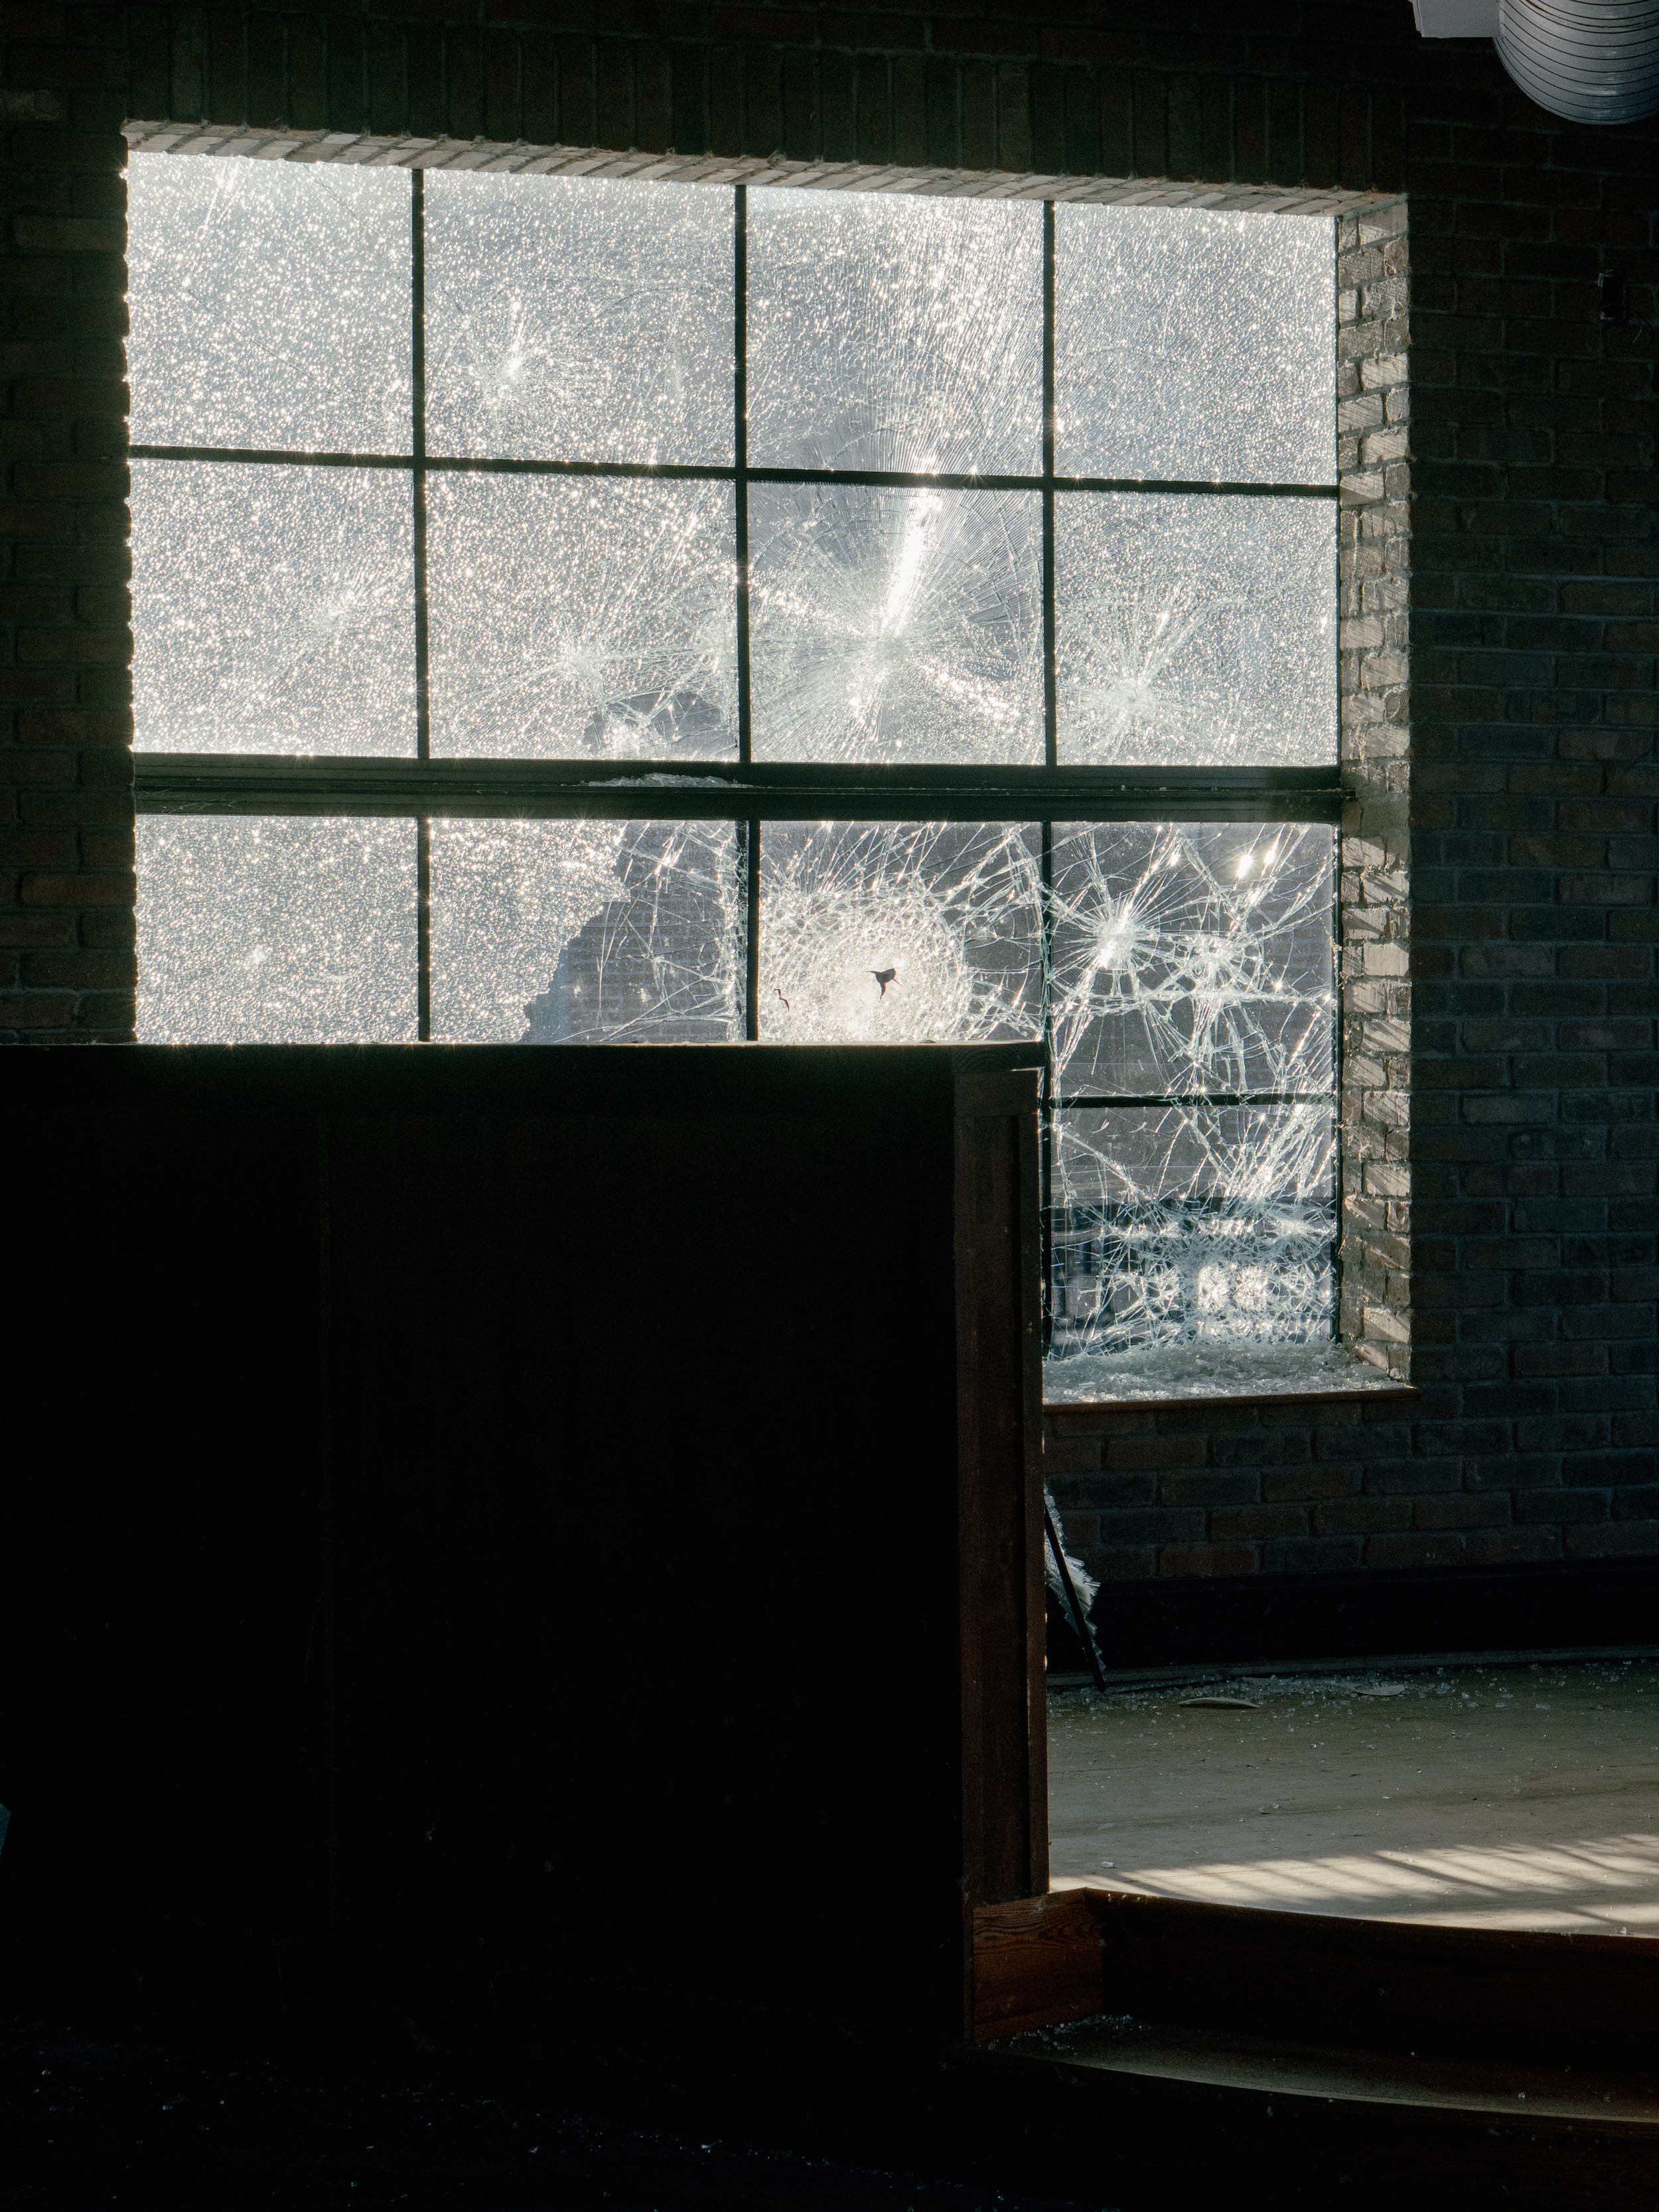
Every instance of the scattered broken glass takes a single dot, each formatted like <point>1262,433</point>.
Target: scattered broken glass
<point>894,625</point>
<point>270,305</point>
<point>1196,629</point>
<point>579,319</point>
<point>1192,956</point>
<point>899,932</point>
<point>1194,344</point>
<point>1184,1226</point>
<point>274,611</point>
<point>662,962</point>
<point>259,931</point>
<point>886,331</point>
<point>582,616</point>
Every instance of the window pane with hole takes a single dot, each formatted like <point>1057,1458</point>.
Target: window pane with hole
<point>1193,958</point>
<point>1195,630</point>
<point>894,625</point>
<point>1195,343</point>
<point>570,932</point>
<point>579,319</point>
<point>260,930</point>
<point>900,933</point>
<point>891,332</point>
<point>1195,1238</point>
<point>273,608</point>
<point>270,305</point>
<point>582,618</point>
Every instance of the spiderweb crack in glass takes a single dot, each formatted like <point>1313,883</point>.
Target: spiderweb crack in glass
<point>660,963</point>
<point>899,932</point>
<point>894,626</point>
<point>894,333</point>
<point>1191,958</point>
<point>260,930</point>
<point>268,305</point>
<point>1195,343</point>
<point>1174,1223</point>
<point>579,319</point>
<point>1196,629</point>
<point>582,618</point>
<point>274,611</point>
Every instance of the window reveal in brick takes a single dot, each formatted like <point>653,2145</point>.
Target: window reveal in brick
<point>262,930</point>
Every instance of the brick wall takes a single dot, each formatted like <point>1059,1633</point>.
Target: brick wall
<point>1525,1284</point>
<point>66,882</point>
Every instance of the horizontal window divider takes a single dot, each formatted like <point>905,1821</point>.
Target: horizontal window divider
<point>723,472</point>
<point>1068,1104</point>
<point>266,783</point>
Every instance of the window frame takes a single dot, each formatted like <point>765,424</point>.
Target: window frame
<point>749,793</point>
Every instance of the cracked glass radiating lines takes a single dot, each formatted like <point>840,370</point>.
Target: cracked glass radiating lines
<point>579,319</point>
<point>1191,1228</point>
<point>900,933</point>
<point>891,332</point>
<point>273,608</point>
<point>259,931</point>
<point>894,626</point>
<point>1195,630</point>
<point>582,618</point>
<point>269,304</point>
<point>1194,345</point>
<point>1193,958</point>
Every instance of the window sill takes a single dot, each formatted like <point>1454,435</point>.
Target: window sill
<point>1211,1375</point>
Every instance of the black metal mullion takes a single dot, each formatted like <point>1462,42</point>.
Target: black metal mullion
<point>752,834</point>
<point>740,454</point>
<point>417,492</point>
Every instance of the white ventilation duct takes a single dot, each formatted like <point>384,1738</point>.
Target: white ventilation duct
<point>1589,61</point>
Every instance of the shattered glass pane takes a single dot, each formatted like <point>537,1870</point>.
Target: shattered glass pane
<point>662,962</point>
<point>891,332</point>
<point>254,930</point>
<point>579,319</point>
<point>273,608</point>
<point>1194,343</point>
<point>894,625</point>
<point>1193,958</point>
<point>270,305</point>
<point>582,618</point>
<point>1193,1229</point>
<point>899,932</point>
<point>1195,630</point>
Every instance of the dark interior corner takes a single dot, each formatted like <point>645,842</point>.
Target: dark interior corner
<point>524,1619</point>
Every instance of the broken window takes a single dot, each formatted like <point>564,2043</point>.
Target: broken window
<point>571,610</point>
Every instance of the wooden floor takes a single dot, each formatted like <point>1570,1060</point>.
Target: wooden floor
<point>1513,1796</point>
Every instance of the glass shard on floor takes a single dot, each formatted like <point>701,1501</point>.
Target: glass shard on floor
<point>896,625</point>
<point>255,930</point>
<point>582,618</point>
<point>899,932</point>
<point>274,611</point>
